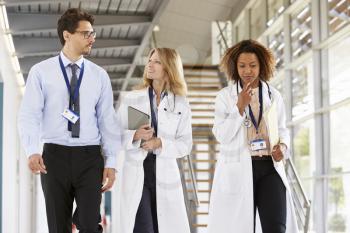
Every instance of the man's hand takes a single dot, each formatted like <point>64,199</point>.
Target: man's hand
<point>108,179</point>
<point>152,144</point>
<point>36,164</point>
<point>278,152</point>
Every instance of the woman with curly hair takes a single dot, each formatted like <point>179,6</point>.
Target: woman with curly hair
<point>250,176</point>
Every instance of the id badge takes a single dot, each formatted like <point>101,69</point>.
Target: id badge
<point>258,144</point>
<point>70,116</point>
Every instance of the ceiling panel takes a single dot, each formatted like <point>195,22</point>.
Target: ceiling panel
<point>122,27</point>
<point>187,24</point>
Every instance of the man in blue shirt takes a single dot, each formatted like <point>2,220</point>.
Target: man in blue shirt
<point>68,105</point>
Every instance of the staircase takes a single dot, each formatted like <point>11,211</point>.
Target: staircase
<point>203,85</point>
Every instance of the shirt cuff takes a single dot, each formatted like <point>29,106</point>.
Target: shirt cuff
<point>135,144</point>
<point>131,145</point>
<point>285,151</point>
<point>110,162</point>
<point>31,150</point>
<point>157,151</point>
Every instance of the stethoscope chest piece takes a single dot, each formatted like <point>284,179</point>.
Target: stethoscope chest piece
<point>247,123</point>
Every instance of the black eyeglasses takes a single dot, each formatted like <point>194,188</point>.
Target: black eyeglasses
<point>88,34</point>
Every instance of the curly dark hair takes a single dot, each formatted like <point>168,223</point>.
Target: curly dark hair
<point>228,63</point>
<point>69,21</point>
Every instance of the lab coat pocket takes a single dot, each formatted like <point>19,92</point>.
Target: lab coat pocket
<point>169,124</point>
<point>172,183</point>
<point>229,178</point>
<point>130,177</point>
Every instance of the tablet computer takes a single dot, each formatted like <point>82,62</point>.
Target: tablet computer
<point>136,118</point>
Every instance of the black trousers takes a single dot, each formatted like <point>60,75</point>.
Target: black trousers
<point>73,173</point>
<point>269,196</point>
<point>146,217</point>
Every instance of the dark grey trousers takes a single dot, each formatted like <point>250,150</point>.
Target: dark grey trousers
<point>269,197</point>
<point>73,173</point>
<point>146,218</point>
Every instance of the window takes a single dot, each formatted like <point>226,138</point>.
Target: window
<point>276,44</point>
<point>301,31</point>
<point>302,89</point>
<point>340,134</point>
<point>241,31</point>
<point>304,157</point>
<point>303,154</point>
<point>256,18</point>
<point>277,82</point>
<point>338,202</point>
<point>339,183</point>
<point>339,71</point>
<point>275,9</point>
<point>338,14</point>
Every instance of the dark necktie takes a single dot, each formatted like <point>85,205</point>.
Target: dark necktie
<point>74,104</point>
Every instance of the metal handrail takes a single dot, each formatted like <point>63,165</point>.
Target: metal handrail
<point>222,76</point>
<point>190,200</point>
<point>193,180</point>
<point>300,204</point>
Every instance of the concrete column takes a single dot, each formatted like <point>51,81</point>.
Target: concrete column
<point>320,67</point>
<point>16,180</point>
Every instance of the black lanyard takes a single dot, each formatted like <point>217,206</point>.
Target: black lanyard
<point>154,120</point>
<point>76,90</point>
<point>256,124</point>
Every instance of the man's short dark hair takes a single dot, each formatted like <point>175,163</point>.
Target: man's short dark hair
<point>69,21</point>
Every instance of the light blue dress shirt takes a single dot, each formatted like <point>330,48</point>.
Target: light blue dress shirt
<point>46,96</point>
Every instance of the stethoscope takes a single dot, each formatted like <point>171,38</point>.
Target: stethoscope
<point>247,122</point>
<point>173,109</point>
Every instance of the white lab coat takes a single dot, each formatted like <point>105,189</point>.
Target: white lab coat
<point>175,132</point>
<point>231,202</point>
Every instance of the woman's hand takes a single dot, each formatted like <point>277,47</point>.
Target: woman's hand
<point>278,152</point>
<point>145,132</point>
<point>244,98</point>
<point>152,144</point>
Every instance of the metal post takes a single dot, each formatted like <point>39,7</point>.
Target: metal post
<point>321,123</point>
<point>222,34</point>
<point>1,136</point>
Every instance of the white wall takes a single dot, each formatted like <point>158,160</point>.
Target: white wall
<point>16,183</point>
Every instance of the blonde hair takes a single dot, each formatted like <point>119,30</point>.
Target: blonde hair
<point>172,65</point>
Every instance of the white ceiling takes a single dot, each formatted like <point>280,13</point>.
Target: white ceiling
<point>186,26</point>
<point>123,31</point>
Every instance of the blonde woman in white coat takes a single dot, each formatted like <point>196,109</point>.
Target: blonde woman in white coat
<point>151,197</point>
<point>249,178</point>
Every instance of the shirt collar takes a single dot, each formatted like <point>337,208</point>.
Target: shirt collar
<point>162,94</point>
<point>67,62</point>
